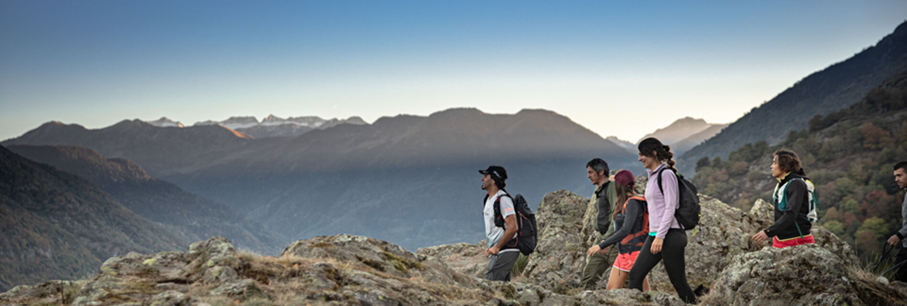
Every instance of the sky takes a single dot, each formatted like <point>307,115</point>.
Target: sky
<point>621,68</point>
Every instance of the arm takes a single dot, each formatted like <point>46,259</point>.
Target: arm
<point>510,226</point>
<point>606,206</point>
<point>671,198</point>
<point>509,231</point>
<point>796,197</point>
<point>629,221</point>
<point>897,237</point>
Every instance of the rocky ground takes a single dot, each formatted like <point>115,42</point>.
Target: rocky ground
<point>355,270</point>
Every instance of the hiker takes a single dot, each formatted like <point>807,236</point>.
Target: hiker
<point>900,177</point>
<point>791,202</point>
<point>500,258</point>
<point>632,223</point>
<point>666,240</point>
<point>601,204</point>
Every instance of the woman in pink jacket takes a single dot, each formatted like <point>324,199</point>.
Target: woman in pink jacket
<point>667,240</point>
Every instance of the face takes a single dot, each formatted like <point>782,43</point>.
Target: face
<point>900,177</point>
<point>487,182</point>
<point>777,172</point>
<point>648,161</point>
<point>594,176</point>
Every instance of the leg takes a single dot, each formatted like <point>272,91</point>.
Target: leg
<point>645,284</point>
<point>674,261</point>
<point>645,261</point>
<point>617,279</point>
<point>901,274</point>
<point>595,267</point>
<point>499,266</point>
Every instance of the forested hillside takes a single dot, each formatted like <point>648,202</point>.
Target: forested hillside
<point>55,225</point>
<point>848,154</point>
<point>831,89</point>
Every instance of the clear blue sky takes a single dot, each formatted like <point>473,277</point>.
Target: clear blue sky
<point>617,68</point>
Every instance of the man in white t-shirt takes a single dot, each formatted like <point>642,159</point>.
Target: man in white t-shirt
<point>500,225</point>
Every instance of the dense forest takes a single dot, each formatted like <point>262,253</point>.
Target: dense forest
<point>848,154</point>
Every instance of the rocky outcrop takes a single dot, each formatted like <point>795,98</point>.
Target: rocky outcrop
<point>560,256</point>
<point>803,275</point>
<point>356,270</point>
<point>466,258</point>
<point>341,269</point>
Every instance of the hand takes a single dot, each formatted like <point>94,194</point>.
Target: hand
<point>656,245</point>
<point>894,240</point>
<point>604,251</point>
<point>492,251</point>
<point>760,237</point>
<point>594,249</point>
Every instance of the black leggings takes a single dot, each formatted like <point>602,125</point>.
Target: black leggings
<point>672,252</point>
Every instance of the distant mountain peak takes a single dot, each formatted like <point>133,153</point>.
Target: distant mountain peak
<point>165,122</point>
<point>678,130</point>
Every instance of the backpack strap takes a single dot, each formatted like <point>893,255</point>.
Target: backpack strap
<point>661,188</point>
<point>658,174</point>
<point>497,205</point>
<point>638,198</point>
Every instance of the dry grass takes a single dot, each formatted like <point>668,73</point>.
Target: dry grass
<point>286,282</point>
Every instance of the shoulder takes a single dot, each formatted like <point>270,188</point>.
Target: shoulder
<point>668,174</point>
<point>505,199</point>
<point>796,183</point>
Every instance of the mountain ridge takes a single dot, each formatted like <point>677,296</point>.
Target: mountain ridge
<point>365,179</point>
<point>57,225</point>
<point>835,87</point>
<point>192,216</point>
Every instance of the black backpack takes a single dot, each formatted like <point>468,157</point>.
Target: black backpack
<point>689,211</point>
<point>527,229</point>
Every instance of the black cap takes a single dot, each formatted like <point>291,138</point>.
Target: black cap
<point>495,171</point>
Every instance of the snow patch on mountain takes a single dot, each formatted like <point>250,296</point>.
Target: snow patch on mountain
<point>273,126</point>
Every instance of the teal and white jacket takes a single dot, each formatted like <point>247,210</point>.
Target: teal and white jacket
<point>791,202</point>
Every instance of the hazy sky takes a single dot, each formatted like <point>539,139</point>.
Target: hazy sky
<point>617,68</point>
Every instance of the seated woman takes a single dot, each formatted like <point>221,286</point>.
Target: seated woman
<point>792,200</point>
<point>632,220</point>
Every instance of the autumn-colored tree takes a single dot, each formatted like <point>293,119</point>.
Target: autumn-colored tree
<point>874,137</point>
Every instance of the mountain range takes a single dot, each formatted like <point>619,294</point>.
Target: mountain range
<point>836,87</point>
<point>270,126</point>
<point>408,179</point>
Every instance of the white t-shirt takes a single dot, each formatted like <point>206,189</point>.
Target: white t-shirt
<point>492,232</point>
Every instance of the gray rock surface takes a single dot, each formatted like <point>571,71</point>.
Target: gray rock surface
<point>801,275</point>
<point>356,270</point>
<point>560,256</point>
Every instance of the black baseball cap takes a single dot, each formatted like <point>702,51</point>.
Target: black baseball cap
<point>496,171</point>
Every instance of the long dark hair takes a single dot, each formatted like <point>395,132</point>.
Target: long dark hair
<point>623,193</point>
<point>662,152</point>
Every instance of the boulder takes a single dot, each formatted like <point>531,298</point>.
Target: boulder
<point>466,258</point>
<point>801,275</point>
<point>560,256</point>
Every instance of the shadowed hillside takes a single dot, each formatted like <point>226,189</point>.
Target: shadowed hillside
<point>190,215</point>
<point>56,225</point>
<point>836,87</point>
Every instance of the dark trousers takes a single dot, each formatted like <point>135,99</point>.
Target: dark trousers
<point>499,266</point>
<point>901,274</point>
<point>672,252</point>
